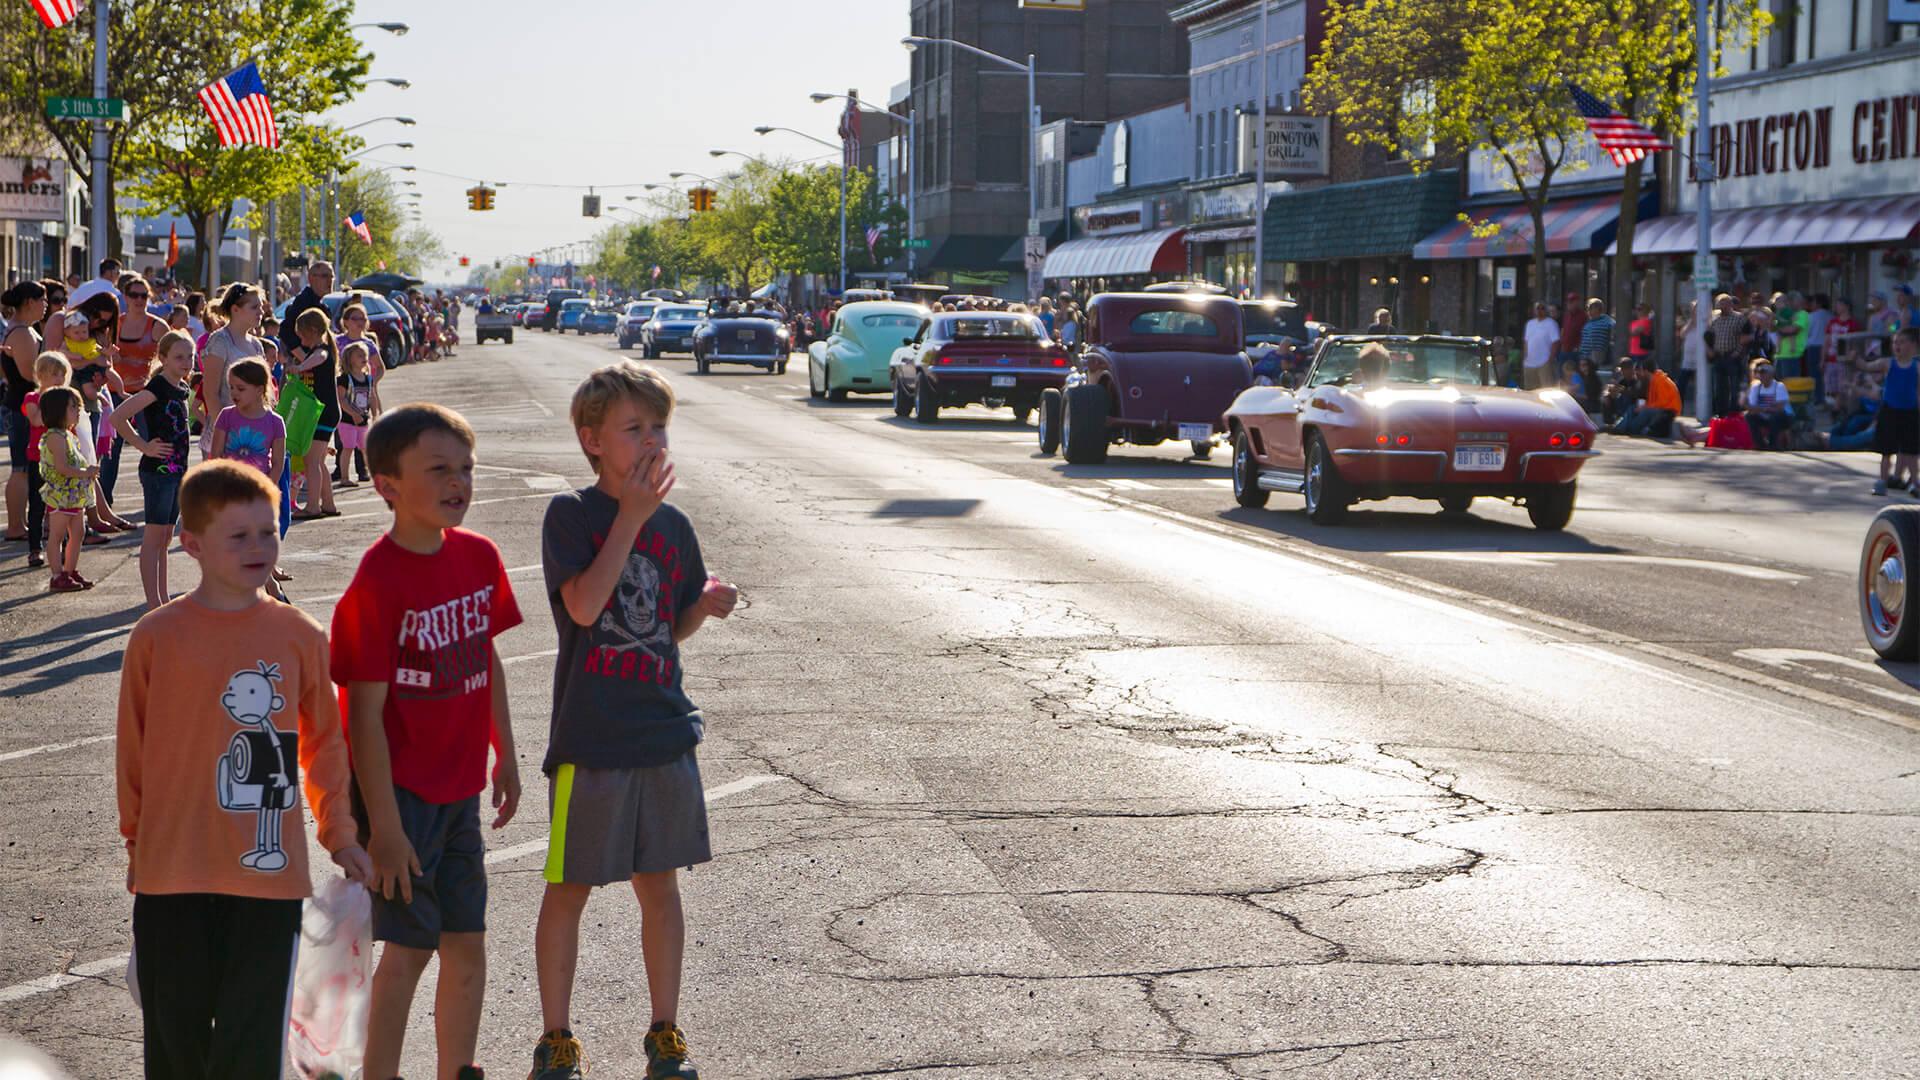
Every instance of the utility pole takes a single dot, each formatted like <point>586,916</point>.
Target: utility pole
<point>1705,267</point>
<point>1260,170</point>
<point>913,182</point>
<point>97,220</point>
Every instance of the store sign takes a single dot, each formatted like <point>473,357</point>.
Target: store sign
<point>33,189</point>
<point>1845,135</point>
<point>1296,145</point>
<point>1233,203</point>
<point>1583,163</point>
<point>1506,281</point>
<point>1113,220</point>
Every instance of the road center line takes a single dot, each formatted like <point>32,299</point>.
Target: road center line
<point>107,965</point>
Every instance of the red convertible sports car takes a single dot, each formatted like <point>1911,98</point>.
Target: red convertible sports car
<point>1380,416</point>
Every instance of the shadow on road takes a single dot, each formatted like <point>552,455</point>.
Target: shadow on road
<point>1382,529</point>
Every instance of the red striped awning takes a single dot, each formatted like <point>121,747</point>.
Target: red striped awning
<point>1885,220</point>
<point>1573,225</point>
<point>1157,252</point>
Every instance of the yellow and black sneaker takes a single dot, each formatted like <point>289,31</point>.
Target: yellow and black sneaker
<point>558,1057</point>
<point>667,1054</point>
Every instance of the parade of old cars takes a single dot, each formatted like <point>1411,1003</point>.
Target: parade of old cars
<point>995,359</point>
<point>1380,416</point>
<point>757,340</point>
<point>1155,366</point>
<point>670,330</point>
<point>857,353</point>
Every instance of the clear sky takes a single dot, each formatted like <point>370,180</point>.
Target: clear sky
<point>604,92</point>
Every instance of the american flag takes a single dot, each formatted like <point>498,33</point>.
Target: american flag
<point>357,221</point>
<point>240,109</point>
<point>57,13</point>
<point>1625,141</point>
<point>656,271</point>
<point>873,237</point>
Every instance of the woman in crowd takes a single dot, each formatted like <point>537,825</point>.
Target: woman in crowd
<point>240,309</point>
<point>24,306</point>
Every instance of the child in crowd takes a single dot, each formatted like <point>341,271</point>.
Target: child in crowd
<point>1897,432</point>
<point>78,344</point>
<point>50,370</point>
<point>248,430</point>
<point>177,317</point>
<point>313,362</point>
<point>96,442</point>
<point>627,584</point>
<point>216,849</point>
<point>425,695</point>
<point>161,406</point>
<point>359,402</point>
<point>66,481</point>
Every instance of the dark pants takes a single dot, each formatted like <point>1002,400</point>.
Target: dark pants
<point>215,972</point>
<point>36,508</point>
<point>110,469</point>
<point>1729,378</point>
<point>1769,430</point>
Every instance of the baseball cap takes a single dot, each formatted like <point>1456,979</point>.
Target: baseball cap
<point>1903,288</point>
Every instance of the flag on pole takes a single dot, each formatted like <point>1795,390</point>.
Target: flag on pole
<point>56,13</point>
<point>357,222</point>
<point>173,244</point>
<point>873,237</point>
<point>240,109</point>
<point>1625,141</point>
<point>656,271</point>
<point>382,264</point>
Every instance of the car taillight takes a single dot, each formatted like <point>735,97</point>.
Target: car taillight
<point>1381,440</point>
<point>1576,439</point>
<point>938,357</point>
<point>1059,361</point>
<point>1403,440</point>
<point>1556,440</point>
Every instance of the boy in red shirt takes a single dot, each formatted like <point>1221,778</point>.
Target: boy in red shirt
<point>425,695</point>
<point>225,707</point>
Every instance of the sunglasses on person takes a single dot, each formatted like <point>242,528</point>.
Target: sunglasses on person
<point>138,295</point>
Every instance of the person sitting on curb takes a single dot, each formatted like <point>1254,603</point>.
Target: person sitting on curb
<point>1860,401</point>
<point>1769,412</point>
<point>1628,386</point>
<point>1653,413</point>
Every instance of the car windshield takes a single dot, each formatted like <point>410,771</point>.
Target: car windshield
<point>881,322</point>
<point>640,311</point>
<point>1271,321</point>
<point>677,313</point>
<point>575,305</point>
<point>1173,322</point>
<point>1414,363</point>
<point>1017,327</point>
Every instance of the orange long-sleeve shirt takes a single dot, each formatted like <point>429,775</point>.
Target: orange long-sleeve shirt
<point>1662,393</point>
<point>222,715</point>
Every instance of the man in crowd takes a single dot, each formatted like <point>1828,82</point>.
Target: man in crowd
<point>1596,336</point>
<point>1729,337</point>
<point>1653,412</point>
<point>1791,326</point>
<point>1542,334</point>
<point>319,284</point>
<point>107,282</point>
<point>1573,320</point>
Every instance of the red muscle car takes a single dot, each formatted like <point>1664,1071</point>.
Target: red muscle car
<point>1380,416</point>
<point>1154,366</point>
<point>988,358</point>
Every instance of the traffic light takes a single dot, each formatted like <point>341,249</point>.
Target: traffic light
<point>480,197</point>
<point>532,262</point>
<point>700,198</point>
<point>473,198</point>
<point>464,261</point>
<point>589,206</point>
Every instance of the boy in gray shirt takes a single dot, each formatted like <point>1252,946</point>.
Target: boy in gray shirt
<point>627,585</point>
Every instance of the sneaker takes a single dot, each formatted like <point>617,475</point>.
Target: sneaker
<point>35,559</point>
<point>66,583</point>
<point>84,583</point>
<point>1879,487</point>
<point>470,1072</point>
<point>667,1054</point>
<point>558,1057</point>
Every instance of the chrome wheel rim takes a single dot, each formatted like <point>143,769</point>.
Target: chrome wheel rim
<point>1316,469</point>
<point>1884,587</point>
<point>1240,466</point>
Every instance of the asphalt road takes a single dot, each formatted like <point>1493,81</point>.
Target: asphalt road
<point>1026,770</point>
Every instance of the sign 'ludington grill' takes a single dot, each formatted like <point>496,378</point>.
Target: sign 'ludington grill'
<point>33,189</point>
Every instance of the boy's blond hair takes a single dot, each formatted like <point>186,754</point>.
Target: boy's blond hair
<point>211,486</point>
<point>639,383</point>
<point>52,367</point>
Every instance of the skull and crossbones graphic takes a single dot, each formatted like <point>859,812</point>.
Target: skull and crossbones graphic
<point>634,613</point>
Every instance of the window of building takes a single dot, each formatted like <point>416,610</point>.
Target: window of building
<point>1002,156</point>
<point>1199,147</point>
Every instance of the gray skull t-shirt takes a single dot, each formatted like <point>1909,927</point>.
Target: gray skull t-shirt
<point>617,698</point>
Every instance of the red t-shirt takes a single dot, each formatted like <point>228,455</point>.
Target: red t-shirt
<point>424,625</point>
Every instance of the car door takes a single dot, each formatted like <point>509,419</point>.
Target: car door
<point>908,359</point>
<point>1280,429</point>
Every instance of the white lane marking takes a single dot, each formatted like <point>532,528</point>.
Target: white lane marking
<point>1122,484</point>
<point>1547,558</point>
<point>545,483</point>
<point>1218,481</point>
<point>94,969</point>
<point>530,656</point>
<point>54,748</point>
<point>1795,660</point>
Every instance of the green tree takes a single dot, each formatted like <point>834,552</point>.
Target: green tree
<point>727,235</point>
<point>309,62</point>
<point>801,232</point>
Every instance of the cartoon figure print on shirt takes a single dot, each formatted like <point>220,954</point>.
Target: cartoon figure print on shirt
<point>257,773</point>
<point>633,617</point>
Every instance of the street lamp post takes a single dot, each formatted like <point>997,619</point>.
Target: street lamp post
<point>1703,258</point>
<point>843,192</point>
<point>913,175</point>
<point>333,206</point>
<point>97,216</point>
<point>1033,122</point>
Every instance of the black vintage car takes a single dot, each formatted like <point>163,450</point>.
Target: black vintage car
<point>759,340</point>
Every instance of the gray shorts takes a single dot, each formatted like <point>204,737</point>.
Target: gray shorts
<point>610,824</point>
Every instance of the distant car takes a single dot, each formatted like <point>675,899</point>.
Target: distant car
<point>1154,366</point>
<point>518,313</point>
<point>1889,608</point>
<point>862,296</point>
<point>599,320</point>
<point>751,339</point>
<point>493,324</point>
<point>858,349</point>
<point>1204,288</point>
<point>993,359</point>
<point>1420,416</point>
<point>633,320</point>
<point>670,330</point>
<point>570,312</point>
<point>550,310</point>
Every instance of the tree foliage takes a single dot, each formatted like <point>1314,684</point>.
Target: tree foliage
<point>801,231</point>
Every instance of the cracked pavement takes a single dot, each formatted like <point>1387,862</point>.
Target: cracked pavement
<point>1072,790</point>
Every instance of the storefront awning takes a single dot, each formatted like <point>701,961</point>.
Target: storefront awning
<point>1228,235</point>
<point>1368,218</point>
<point>1156,252</point>
<point>972,252</point>
<point>1844,221</point>
<point>1572,225</point>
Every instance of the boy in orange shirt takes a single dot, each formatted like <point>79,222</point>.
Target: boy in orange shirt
<point>225,707</point>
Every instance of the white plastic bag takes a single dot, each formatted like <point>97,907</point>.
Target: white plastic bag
<point>333,982</point>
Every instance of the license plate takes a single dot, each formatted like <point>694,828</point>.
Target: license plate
<point>745,335</point>
<point>1479,458</point>
<point>1190,432</point>
<point>1005,380</point>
